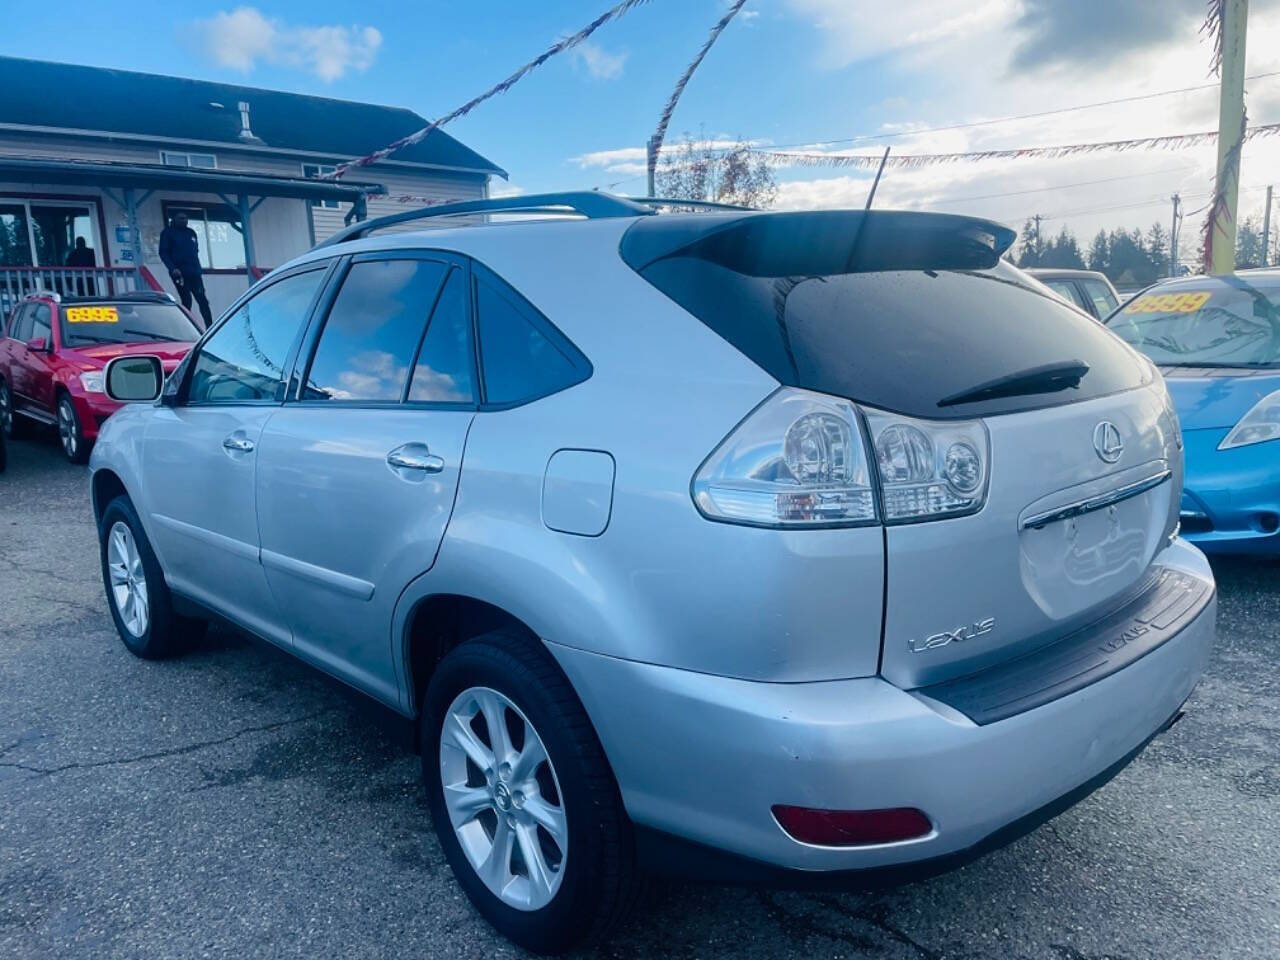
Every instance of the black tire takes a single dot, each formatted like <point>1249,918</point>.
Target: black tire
<point>600,880</point>
<point>13,426</point>
<point>166,632</point>
<point>71,431</point>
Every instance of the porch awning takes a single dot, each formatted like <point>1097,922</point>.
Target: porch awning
<point>150,176</point>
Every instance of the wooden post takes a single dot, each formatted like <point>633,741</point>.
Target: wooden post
<point>1222,226</point>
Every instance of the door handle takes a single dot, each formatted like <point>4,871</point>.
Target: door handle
<point>414,456</point>
<point>238,444</point>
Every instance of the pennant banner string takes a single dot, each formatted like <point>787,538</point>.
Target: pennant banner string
<point>568,43</point>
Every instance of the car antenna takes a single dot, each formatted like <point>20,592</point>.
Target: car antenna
<point>862,221</point>
<point>876,182</point>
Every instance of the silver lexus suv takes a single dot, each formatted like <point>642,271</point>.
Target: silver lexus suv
<point>754,544</point>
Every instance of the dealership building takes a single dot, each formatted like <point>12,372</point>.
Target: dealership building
<point>111,155</point>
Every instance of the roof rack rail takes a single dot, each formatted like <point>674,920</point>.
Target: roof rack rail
<point>591,204</point>
<point>699,204</point>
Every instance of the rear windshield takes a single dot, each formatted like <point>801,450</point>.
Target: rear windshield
<point>89,324</point>
<point>1223,324</point>
<point>910,340</point>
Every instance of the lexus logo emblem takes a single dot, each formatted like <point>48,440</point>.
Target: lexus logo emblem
<point>1107,442</point>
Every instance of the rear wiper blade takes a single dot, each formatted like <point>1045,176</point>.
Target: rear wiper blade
<point>1048,378</point>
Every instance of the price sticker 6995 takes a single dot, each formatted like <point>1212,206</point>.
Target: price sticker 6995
<point>1188,302</point>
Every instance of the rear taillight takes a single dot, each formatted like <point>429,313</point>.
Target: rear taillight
<point>797,461</point>
<point>800,460</point>
<point>852,828</point>
<point>929,469</point>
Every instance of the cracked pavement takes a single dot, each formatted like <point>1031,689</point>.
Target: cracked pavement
<point>235,803</point>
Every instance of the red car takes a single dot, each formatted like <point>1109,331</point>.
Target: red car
<point>54,351</point>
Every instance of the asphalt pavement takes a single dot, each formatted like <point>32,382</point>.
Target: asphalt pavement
<point>235,803</point>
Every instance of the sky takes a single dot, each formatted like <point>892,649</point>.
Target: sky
<point>794,73</point>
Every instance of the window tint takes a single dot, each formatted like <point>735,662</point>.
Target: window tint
<point>41,322</point>
<point>901,340</point>
<point>520,359</point>
<point>1103,299</point>
<point>373,330</point>
<point>244,359</point>
<point>443,372</point>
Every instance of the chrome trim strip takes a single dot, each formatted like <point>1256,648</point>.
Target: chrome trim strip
<point>1081,507</point>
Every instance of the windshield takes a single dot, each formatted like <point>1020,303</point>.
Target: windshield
<point>1236,325</point>
<point>87,325</point>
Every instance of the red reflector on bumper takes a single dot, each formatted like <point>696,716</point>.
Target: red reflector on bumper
<point>852,828</point>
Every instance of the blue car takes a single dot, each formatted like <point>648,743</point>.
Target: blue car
<point>1217,340</point>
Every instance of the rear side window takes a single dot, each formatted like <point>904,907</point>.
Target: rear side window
<point>443,372</point>
<point>831,318</point>
<point>243,361</point>
<point>369,340</point>
<point>20,326</point>
<point>522,356</point>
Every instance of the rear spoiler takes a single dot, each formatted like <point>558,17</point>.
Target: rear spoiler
<point>820,243</point>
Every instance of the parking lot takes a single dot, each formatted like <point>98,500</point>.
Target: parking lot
<point>234,803</point>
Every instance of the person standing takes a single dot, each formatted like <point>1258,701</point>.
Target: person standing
<point>180,252</point>
<point>81,257</point>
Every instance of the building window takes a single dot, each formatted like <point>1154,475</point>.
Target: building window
<point>200,161</point>
<point>43,232</point>
<point>217,228</point>
<point>313,171</point>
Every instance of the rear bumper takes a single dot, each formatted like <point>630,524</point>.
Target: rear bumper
<point>1231,498</point>
<point>704,758</point>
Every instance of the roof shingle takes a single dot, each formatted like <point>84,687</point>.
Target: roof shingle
<point>46,94</point>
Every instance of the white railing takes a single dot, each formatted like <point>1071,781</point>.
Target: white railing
<point>19,282</point>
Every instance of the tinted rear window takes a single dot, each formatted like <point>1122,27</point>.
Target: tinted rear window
<point>900,340</point>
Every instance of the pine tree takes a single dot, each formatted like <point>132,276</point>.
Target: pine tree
<point>1100,253</point>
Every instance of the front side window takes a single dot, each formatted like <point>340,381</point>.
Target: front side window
<point>1067,291</point>
<point>1223,323</point>
<point>125,322</point>
<point>369,339</point>
<point>41,322</point>
<point>244,360</point>
<point>521,357</point>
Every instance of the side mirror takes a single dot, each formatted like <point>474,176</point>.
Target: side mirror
<point>38,345</point>
<point>133,379</point>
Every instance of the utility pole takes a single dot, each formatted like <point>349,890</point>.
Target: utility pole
<point>1037,218</point>
<point>1266,228</point>
<point>1173,235</point>
<point>1222,215</point>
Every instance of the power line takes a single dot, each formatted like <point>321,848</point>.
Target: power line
<point>1022,116</point>
<point>1062,186</point>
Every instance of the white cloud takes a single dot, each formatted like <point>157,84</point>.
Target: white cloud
<point>239,39</point>
<point>996,65</point>
<point>599,62</point>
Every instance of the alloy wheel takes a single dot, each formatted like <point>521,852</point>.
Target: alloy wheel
<point>6,410</point>
<point>128,579</point>
<point>67,429</point>
<point>503,798</point>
